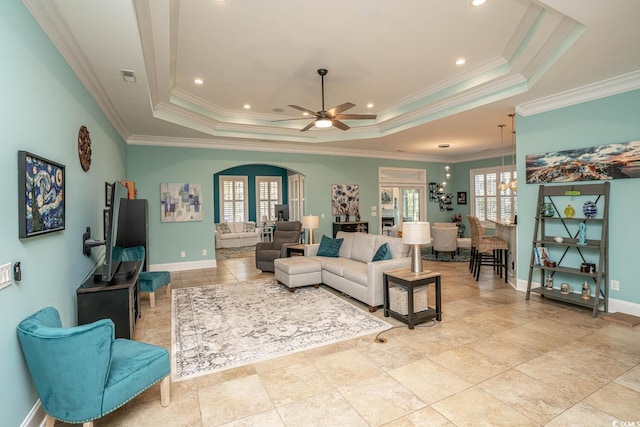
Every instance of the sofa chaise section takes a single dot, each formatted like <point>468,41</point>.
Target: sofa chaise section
<point>354,272</point>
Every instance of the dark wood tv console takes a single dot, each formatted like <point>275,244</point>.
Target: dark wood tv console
<point>117,301</point>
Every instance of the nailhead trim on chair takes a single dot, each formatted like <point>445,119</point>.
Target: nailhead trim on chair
<point>117,407</point>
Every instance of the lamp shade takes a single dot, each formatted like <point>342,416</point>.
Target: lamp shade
<point>323,123</point>
<point>310,221</point>
<point>416,233</point>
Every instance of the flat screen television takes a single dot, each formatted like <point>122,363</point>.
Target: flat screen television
<point>282,212</point>
<point>110,265</point>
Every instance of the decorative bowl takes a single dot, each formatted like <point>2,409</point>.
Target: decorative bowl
<point>558,239</point>
<point>590,209</point>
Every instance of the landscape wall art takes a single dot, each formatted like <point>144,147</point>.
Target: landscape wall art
<point>599,163</point>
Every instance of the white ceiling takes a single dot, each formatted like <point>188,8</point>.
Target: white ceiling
<point>524,56</point>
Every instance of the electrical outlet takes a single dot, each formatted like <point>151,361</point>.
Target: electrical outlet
<point>615,285</point>
<point>183,254</point>
<point>204,252</point>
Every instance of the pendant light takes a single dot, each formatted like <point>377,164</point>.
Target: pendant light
<point>503,185</point>
<point>513,184</point>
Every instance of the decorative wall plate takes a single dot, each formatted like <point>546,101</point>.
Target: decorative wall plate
<point>84,148</point>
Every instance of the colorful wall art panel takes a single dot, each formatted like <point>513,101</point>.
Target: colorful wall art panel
<point>181,202</point>
<point>599,163</point>
<point>40,195</point>
<point>344,199</point>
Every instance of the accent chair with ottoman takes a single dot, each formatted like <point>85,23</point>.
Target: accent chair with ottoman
<point>286,233</point>
<point>82,373</point>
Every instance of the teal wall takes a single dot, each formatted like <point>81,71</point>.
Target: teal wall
<point>149,166</point>
<point>604,121</point>
<point>251,172</point>
<point>42,107</point>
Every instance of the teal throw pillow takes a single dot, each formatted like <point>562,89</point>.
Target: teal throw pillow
<point>330,247</point>
<point>383,252</point>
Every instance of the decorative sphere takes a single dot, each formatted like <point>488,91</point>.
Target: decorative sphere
<point>590,209</point>
<point>569,212</point>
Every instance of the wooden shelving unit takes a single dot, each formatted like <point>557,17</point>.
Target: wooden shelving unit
<point>571,253</point>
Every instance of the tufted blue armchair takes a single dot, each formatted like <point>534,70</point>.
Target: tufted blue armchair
<point>82,373</point>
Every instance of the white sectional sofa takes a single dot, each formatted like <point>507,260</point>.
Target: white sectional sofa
<point>237,236</point>
<point>353,272</point>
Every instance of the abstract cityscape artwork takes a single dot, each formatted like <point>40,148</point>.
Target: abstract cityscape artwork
<point>181,202</point>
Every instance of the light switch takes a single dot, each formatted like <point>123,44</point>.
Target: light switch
<point>5,275</point>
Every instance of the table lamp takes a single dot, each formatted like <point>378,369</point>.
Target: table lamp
<point>310,222</point>
<point>416,234</point>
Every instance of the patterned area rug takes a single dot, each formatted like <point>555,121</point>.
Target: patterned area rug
<point>232,253</point>
<point>223,326</point>
<point>464,256</point>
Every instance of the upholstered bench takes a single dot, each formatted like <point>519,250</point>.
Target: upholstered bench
<point>297,271</point>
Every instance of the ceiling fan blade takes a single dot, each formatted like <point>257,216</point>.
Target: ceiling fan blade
<point>356,116</point>
<point>340,108</point>
<point>313,113</point>
<point>307,127</point>
<point>340,125</point>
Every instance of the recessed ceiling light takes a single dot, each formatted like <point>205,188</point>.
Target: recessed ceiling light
<point>198,81</point>
<point>444,145</point>
<point>370,105</point>
<point>461,61</point>
<point>246,106</point>
<point>475,3</point>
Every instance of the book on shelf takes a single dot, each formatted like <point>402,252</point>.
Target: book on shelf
<point>540,255</point>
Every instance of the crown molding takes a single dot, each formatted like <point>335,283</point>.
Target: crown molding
<point>49,19</point>
<point>614,86</point>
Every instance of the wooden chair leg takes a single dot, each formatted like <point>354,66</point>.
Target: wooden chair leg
<point>88,424</point>
<point>152,299</point>
<point>168,291</point>
<point>49,421</point>
<point>165,391</point>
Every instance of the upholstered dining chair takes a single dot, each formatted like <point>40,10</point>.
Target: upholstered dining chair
<point>286,233</point>
<point>82,373</point>
<point>148,281</point>
<point>444,239</point>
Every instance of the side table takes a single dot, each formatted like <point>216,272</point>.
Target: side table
<point>410,280</point>
<point>295,249</point>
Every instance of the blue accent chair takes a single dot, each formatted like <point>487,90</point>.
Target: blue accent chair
<point>148,281</point>
<point>82,373</point>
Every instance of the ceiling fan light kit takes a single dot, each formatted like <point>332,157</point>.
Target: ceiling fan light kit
<point>332,117</point>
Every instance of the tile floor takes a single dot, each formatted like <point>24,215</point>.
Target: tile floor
<point>494,360</point>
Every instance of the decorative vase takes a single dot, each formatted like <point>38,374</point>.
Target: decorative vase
<point>569,212</point>
<point>586,291</point>
<point>546,210</point>
<point>590,209</point>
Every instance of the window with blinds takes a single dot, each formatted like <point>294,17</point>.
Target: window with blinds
<point>269,195</point>
<point>487,201</point>
<point>234,203</point>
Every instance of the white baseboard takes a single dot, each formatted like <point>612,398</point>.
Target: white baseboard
<point>181,266</point>
<point>615,305</point>
<point>36,417</point>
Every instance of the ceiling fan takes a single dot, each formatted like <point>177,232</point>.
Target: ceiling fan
<point>332,117</point>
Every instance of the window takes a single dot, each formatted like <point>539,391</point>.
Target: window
<point>234,204</point>
<point>269,190</point>
<point>487,202</point>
